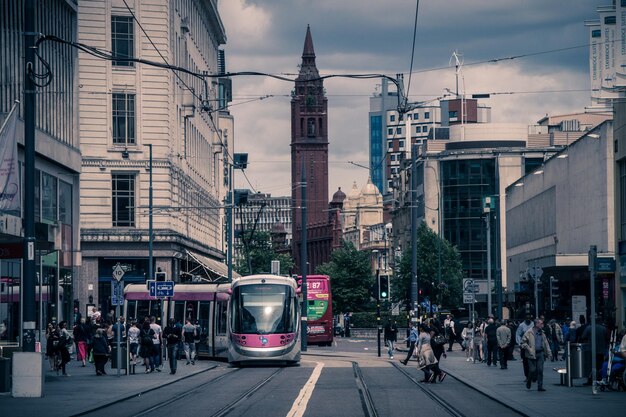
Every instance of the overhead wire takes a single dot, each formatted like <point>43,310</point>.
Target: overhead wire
<point>417,8</point>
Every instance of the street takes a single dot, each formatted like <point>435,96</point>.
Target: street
<point>347,379</point>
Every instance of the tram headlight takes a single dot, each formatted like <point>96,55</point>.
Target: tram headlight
<point>267,310</point>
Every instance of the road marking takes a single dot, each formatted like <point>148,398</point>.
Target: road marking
<point>299,405</point>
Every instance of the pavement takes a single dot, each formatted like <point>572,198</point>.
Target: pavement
<point>508,385</point>
<point>84,391</point>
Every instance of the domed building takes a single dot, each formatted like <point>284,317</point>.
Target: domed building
<point>363,210</point>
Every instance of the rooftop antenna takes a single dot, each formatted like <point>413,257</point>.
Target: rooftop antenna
<point>458,64</point>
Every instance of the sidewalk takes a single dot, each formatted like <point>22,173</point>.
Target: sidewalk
<point>509,386</point>
<point>83,390</point>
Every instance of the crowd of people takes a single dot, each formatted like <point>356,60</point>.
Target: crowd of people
<point>93,338</point>
<point>493,342</point>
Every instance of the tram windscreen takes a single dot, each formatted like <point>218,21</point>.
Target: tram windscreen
<point>263,309</point>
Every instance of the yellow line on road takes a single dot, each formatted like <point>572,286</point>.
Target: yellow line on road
<point>299,405</point>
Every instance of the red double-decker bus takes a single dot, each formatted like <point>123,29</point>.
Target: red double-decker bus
<point>319,310</point>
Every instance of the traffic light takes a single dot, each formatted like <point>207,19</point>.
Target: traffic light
<point>554,293</point>
<point>160,276</point>
<point>384,287</point>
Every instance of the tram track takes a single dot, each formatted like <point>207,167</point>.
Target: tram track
<point>146,391</point>
<point>366,398</point>
<point>245,395</point>
<point>454,411</point>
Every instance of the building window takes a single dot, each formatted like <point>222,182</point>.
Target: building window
<point>392,118</point>
<point>418,129</point>
<point>390,131</point>
<point>123,119</point>
<point>401,144</point>
<point>392,157</point>
<point>399,130</point>
<point>453,115</point>
<point>416,116</point>
<point>390,145</point>
<point>49,198</point>
<point>122,40</point>
<point>427,115</point>
<point>123,200</point>
<point>310,127</point>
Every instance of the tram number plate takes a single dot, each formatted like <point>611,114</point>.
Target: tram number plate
<point>315,329</point>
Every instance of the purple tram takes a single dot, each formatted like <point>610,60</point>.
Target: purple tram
<point>264,321</point>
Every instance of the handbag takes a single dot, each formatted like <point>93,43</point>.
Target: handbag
<point>421,361</point>
<point>439,340</point>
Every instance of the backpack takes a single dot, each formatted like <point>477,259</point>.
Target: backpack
<point>146,339</point>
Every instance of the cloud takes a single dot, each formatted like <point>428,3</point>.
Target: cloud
<point>352,36</point>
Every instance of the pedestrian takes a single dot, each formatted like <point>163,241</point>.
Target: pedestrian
<point>119,326</point>
<point>426,360</point>
<point>556,339</point>
<point>536,348</point>
<point>65,341</point>
<point>82,335</point>
<point>172,335</point>
<point>468,341</point>
<point>157,342</point>
<point>133,335</point>
<point>492,342</point>
<point>503,335</point>
<point>101,350</point>
<point>602,346</point>
<point>479,337</point>
<point>391,332</point>
<point>513,327</point>
<point>412,339</point>
<point>52,340</point>
<point>438,344</point>
<point>524,326</point>
<point>450,331</point>
<point>189,341</point>
<point>146,346</point>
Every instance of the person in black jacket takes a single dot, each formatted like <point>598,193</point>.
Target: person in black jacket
<point>492,342</point>
<point>173,336</point>
<point>101,350</point>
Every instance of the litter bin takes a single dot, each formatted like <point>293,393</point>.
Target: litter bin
<point>114,356</point>
<point>579,360</point>
<point>5,374</point>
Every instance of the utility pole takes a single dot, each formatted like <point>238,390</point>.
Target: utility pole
<point>414,285</point>
<point>303,262</point>
<point>28,278</point>
<point>593,255</point>
<point>150,219</point>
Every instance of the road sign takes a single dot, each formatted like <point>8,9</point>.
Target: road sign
<point>469,286</point>
<point>151,283</point>
<point>117,293</point>
<point>535,271</point>
<point>164,289</point>
<point>118,272</point>
<point>468,298</point>
<point>605,265</point>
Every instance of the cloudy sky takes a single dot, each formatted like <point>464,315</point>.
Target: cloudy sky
<point>375,36</point>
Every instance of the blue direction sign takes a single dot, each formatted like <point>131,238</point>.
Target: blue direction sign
<point>164,289</point>
<point>117,293</point>
<point>605,265</point>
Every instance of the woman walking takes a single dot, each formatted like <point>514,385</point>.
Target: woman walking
<point>468,340</point>
<point>65,340</point>
<point>426,357</point>
<point>82,335</point>
<point>52,340</point>
<point>100,349</point>
<point>146,346</point>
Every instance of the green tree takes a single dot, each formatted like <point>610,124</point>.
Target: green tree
<point>258,255</point>
<point>447,291</point>
<point>351,278</point>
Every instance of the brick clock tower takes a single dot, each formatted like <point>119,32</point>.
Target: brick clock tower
<point>309,145</point>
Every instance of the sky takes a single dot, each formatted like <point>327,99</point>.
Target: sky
<point>376,36</point>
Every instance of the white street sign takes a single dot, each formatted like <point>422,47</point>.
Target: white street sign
<point>468,298</point>
<point>118,272</point>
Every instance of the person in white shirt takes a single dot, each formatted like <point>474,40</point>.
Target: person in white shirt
<point>156,351</point>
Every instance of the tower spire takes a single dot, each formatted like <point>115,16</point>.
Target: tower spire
<point>308,51</point>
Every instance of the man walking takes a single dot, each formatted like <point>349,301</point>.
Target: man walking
<point>537,349</point>
<point>189,336</point>
<point>173,336</point>
<point>412,340</point>
<point>492,342</point>
<point>391,331</point>
<point>503,335</point>
<point>156,341</point>
<point>521,330</point>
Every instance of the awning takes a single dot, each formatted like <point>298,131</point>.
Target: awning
<point>211,266</point>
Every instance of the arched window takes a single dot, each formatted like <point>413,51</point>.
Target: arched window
<point>310,127</point>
